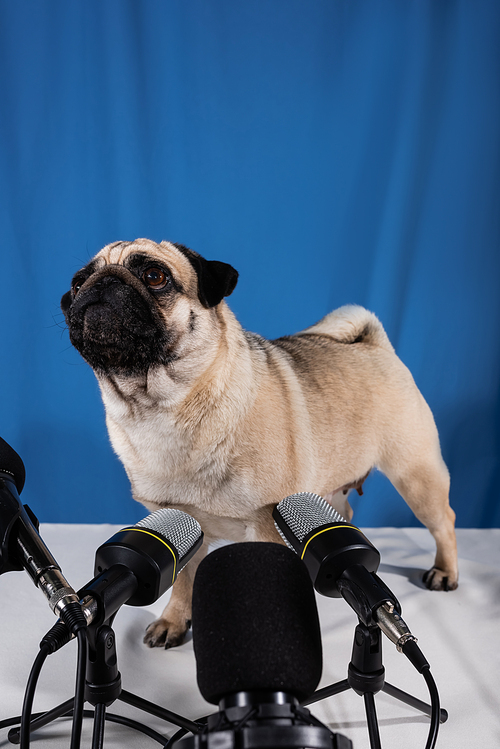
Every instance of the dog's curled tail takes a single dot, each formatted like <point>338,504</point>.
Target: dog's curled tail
<point>352,324</point>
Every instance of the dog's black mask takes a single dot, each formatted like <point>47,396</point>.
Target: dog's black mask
<point>114,319</point>
<point>115,327</point>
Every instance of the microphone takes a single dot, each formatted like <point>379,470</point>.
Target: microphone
<point>257,644</point>
<point>341,562</point>
<point>134,567</point>
<point>255,623</point>
<point>154,550</point>
<point>11,465</point>
<point>21,546</point>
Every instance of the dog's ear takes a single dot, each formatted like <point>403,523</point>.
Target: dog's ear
<point>215,279</point>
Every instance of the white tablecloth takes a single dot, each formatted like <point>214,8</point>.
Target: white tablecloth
<point>459,633</point>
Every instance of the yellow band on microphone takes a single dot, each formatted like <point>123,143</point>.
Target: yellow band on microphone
<point>158,538</point>
<point>330,528</point>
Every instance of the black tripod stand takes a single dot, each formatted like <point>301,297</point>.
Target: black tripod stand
<point>102,688</point>
<point>366,676</point>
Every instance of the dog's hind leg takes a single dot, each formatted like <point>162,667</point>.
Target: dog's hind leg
<point>423,481</point>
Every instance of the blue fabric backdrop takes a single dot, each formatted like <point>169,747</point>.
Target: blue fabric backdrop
<point>333,151</point>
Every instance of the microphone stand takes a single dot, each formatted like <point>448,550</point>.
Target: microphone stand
<point>366,676</point>
<point>102,688</point>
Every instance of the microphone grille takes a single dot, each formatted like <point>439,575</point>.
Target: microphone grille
<point>182,530</point>
<point>303,512</point>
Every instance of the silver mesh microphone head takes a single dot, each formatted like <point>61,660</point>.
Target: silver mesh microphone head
<point>303,512</point>
<point>177,527</point>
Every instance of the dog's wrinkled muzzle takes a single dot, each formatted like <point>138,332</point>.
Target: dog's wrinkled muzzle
<point>113,323</point>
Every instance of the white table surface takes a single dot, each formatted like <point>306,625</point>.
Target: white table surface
<point>459,632</point>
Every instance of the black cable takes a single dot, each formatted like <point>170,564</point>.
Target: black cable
<point>175,737</point>
<point>435,714</point>
<point>29,696</point>
<point>75,621</point>
<point>417,659</point>
<point>76,731</point>
<point>135,725</point>
<point>111,717</point>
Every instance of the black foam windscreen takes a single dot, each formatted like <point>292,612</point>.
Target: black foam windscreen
<point>255,623</point>
<point>11,463</point>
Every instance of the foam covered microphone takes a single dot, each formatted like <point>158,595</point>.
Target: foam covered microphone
<point>257,644</point>
<point>255,623</point>
<point>21,546</point>
<point>341,561</point>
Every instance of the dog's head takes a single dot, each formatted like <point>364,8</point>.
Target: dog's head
<point>131,307</point>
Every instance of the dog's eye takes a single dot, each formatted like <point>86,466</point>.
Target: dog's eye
<point>77,286</point>
<point>155,278</point>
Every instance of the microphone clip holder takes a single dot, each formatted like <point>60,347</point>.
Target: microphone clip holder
<point>366,677</point>
<point>365,593</point>
<point>103,685</point>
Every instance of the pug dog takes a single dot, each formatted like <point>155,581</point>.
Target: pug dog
<point>223,424</point>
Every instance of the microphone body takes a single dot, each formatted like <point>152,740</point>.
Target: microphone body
<point>255,623</point>
<point>341,561</point>
<point>154,550</point>
<point>134,567</point>
<point>21,546</point>
<point>257,644</point>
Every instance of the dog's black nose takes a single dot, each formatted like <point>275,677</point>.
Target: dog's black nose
<point>106,281</point>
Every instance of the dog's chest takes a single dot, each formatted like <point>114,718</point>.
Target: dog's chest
<point>166,466</point>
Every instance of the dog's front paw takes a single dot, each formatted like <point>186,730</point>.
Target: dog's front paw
<point>436,579</point>
<point>164,634</point>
